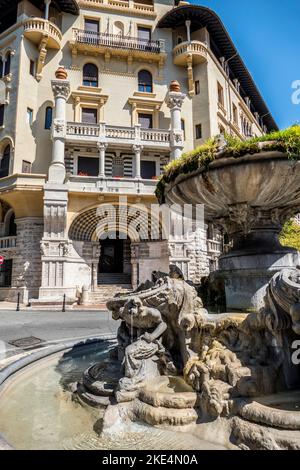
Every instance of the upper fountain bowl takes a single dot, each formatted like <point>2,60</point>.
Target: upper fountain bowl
<point>266,181</point>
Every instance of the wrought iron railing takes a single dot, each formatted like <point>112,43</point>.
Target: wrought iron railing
<point>92,38</point>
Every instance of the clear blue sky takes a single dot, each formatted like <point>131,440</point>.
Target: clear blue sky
<point>266,34</point>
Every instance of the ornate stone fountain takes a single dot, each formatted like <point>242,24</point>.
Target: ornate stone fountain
<point>235,373</point>
<point>175,364</point>
<point>250,197</point>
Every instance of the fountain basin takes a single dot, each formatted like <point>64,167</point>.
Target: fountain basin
<point>250,197</point>
<point>169,392</point>
<point>37,412</point>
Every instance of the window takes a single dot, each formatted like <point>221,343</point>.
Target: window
<point>26,167</point>
<point>12,228</point>
<point>234,113</point>
<point>7,64</point>
<point>2,115</point>
<point>146,121</point>
<point>1,67</point>
<point>89,115</point>
<point>48,117</point>
<point>183,128</point>
<point>32,68</point>
<point>144,34</point>
<point>29,116</point>
<point>220,94</point>
<point>90,75</point>
<point>4,163</point>
<point>197,87</point>
<point>6,273</point>
<point>148,170</point>
<point>145,81</point>
<point>198,131</point>
<point>119,28</point>
<point>92,26</point>
<point>88,166</point>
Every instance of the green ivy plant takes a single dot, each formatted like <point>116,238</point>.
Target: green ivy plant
<point>290,235</point>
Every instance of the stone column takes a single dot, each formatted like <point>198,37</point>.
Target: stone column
<point>47,7</point>
<point>174,101</point>
<point>102,146</point>
<point>137,151</point>
<point>188,30</point>
<point>61,91</point>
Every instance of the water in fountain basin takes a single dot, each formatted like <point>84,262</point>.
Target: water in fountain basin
<point>37,411</point>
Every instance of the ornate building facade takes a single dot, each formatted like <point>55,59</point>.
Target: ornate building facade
<point>88,121</point>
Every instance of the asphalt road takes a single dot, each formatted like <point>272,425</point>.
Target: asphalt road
<point>52,326</point>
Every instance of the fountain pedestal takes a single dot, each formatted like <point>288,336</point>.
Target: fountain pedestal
<point>251,263</point>
<point>250,197</point>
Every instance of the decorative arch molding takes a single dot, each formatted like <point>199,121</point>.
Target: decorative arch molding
<point>7,140</point>
<point>4,143</point>
<point>91,224</point>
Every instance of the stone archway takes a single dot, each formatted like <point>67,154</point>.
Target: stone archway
<point>143,255</point>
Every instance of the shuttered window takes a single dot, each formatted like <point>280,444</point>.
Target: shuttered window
<point>92,26</point>
<point>146,121</point>
<point>89,115</point>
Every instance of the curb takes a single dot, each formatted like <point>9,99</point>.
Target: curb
<point>47,351</point>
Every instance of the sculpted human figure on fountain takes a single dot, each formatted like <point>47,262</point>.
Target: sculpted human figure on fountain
<point>142,356</point>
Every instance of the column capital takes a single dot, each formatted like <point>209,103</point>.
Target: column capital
<point>174,99</point>
<point>137,148</point>
<point>102,145</point>
<point>61,88</point>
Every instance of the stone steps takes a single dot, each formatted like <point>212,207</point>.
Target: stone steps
<point>114,278</point>
<point>105,292</point>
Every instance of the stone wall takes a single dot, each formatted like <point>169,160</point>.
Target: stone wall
<point>27,266</point>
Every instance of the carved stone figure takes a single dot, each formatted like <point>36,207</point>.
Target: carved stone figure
<point>224,363</point>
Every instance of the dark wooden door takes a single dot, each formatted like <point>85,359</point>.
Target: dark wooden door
<point>111,258</point>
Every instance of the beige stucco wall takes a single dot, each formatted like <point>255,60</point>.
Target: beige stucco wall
<point>33,143</point>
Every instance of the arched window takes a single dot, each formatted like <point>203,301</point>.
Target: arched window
<point>119,28</point>
<point>48,117</point>
<point>12,228</point>
<point>4,164</point>
<point>90,75</point>
<point>145,81</point>
<point>7,64</point>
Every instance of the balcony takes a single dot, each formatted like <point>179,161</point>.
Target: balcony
<point>46,36</point>
<point>136,8</point>
<point>7,244</point>
<point>194,51</point>
<point>118,135</point>
<point>110,185</point>
<point>214,247</point>
<point>115,45</point>
<point>38,30</point>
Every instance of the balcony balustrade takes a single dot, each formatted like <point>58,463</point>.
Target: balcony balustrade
<point>45,35</point>
<point>139,9</point>
<point>214,247</point>
<point>193,50</point>
<point>35,29</point>
<point>7,243</point>
<point>117,45</point>
<point>116,135</point>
